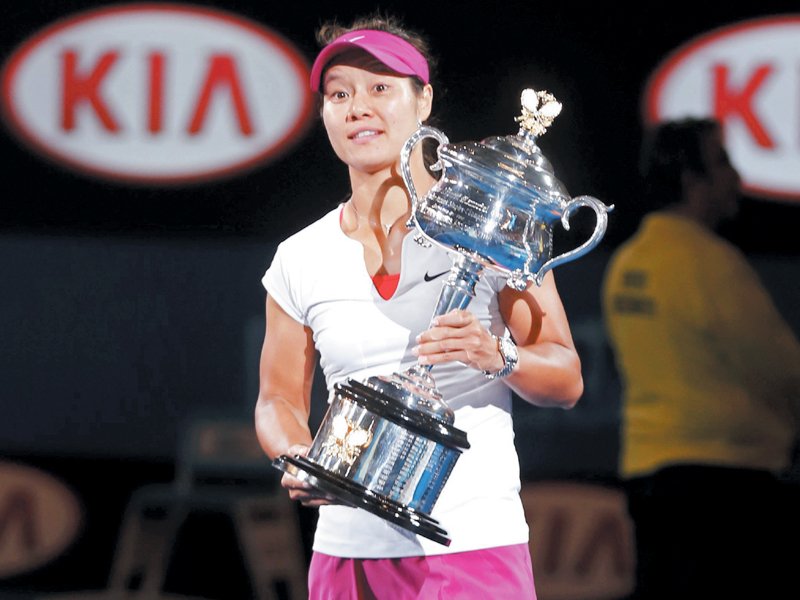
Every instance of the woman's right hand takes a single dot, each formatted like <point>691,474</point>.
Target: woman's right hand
<point>301,491</point>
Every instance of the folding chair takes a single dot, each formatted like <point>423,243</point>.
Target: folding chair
<point>221,468</point>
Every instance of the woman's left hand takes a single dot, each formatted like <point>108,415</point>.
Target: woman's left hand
<point>459,336</point>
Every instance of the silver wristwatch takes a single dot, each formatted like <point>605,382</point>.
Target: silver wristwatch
<point>508,350</point>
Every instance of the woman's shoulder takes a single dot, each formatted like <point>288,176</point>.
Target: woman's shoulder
<point>324,229</point>
<point>305,254</point>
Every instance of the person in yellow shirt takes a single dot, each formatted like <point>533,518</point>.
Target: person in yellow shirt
<point>711,385</point>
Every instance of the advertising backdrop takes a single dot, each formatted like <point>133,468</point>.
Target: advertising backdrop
<point>153,155</point>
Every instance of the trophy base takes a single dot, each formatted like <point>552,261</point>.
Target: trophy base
<point>355,495</point>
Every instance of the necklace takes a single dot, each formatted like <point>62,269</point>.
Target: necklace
<point>374,224</point>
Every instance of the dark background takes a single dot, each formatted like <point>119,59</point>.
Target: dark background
<point>125,310</point>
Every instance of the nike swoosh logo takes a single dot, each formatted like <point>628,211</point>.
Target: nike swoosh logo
<point>432,277</point>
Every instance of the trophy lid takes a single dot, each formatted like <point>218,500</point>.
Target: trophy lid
<point>517,159</point>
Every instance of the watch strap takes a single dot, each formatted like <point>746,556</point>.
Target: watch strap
<point>508,351</point>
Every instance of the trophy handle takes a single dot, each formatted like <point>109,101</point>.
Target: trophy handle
<point>405,166</point>
<point>601,210</point>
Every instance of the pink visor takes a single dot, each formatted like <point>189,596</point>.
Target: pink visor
<point>391,50</point>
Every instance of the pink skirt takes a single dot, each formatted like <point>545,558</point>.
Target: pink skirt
<point>503,572</point>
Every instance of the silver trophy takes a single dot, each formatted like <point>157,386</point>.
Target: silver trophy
<point>388,444</point>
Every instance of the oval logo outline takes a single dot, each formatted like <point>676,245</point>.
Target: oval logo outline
<point>52,498</point>
<point>755,177</point>
<point>282,50</point>
<point>572,521</point>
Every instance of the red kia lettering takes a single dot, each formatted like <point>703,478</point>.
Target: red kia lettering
<point>157,93</point>
<point>745,75</point>
<point>732,103</point>
<point>84,88</point>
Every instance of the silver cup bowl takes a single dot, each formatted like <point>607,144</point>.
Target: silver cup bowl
<point>388,444</point>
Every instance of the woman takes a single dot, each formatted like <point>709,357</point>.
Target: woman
<point>358,286</point>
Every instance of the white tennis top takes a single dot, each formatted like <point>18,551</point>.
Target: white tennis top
<point>319,278</point>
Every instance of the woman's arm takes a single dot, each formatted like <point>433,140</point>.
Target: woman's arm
<point>549,369</point>
<point>284,400</point>
<point>548,372</point>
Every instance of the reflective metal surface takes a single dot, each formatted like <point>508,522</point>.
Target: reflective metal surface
<point>497,201</point>
<point>388,444</point>
<point>379,449</point>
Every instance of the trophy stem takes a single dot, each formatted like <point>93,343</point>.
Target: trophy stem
<point>459,287</point>
<point>415,387</point>
<point>457,292</point>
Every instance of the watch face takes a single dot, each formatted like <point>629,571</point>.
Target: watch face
<point>510,349</point>
<point>510,356</point>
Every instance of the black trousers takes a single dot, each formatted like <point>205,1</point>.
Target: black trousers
<point>715,532</point>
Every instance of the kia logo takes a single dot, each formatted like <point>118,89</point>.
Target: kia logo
<point>585,545</point>
<point>39,518</point>
<point>745,75</point>
<point>155,93</point>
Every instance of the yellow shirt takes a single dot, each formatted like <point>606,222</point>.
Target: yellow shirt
<point>710,371</point>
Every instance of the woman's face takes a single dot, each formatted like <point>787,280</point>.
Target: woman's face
<point>369,113</point>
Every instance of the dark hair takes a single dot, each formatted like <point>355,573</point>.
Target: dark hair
<point>669,150</point>
<point>331,30</point>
